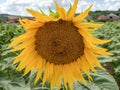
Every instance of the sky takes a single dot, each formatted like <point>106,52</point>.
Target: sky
<point>18,7</point>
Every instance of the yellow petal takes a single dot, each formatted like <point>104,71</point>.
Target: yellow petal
<point>89,58</point>
<point>19,57</point>
<point>40,17</point>
<point>30,25</point>
<point>80,17</point>
<point>88,25</point>
<point>30,66</point>
<point>61,12</point>
<point>99,41</point>
<point>22,54</point>
<point>76,71</point>
<point>38,62</point>
<point>56,80</point>
<point>24,45</point>
<point>25,37</point>
<point>90,39</point>
<point>91,63</point>
<point>84,67</point>
<point>25,58</point>
<point>48,72</point>
<point>101,51</point>
<point>93,57</point>
<point>34,13</point>
<point>68,76</point>
<point>72,12</point>
<point>40,70</point>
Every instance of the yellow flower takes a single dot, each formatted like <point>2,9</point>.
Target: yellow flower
<point>61,47</point>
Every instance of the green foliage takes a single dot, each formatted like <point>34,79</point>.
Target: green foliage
<point>52,13</point>
<point>10,79</point>
<point>56,14</point>
<point>101,81</point>
<point>111,30</point>
<point>3,18</point>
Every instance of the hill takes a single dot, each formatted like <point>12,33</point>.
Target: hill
<point>92,15</point>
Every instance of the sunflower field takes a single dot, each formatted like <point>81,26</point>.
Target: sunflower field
<point>10,79</point>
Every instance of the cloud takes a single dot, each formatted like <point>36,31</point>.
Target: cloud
<point>107,1</point>
<point>82,5</point>
<point>111,5</point>
<point>17,7</point>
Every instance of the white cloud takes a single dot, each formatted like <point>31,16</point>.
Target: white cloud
<point>43,3</point>
<point>107,1</point>
<point>18,6</point>
<point>112,4</point>
<point>19,1</point>
<point>82,5</point>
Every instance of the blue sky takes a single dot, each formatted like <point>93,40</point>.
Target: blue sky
<point>17,7</point>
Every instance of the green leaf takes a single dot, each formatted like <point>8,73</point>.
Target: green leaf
<point>111,30</point>
<point>55,14</point>
<point>101,81</point>
<point>42,11</point>
<point>69,9</point>
<point>17,84</point>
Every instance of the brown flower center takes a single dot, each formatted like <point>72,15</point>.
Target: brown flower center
<point>59,42</point>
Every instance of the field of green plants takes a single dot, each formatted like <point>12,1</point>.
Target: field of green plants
<point>10,79</point>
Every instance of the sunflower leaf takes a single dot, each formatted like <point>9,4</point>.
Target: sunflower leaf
<point>55,14</point>
<point>101,81</point>
<point>69,9</point>
<point>42,11</point>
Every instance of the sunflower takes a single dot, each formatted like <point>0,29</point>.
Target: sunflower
<point>60,47</point>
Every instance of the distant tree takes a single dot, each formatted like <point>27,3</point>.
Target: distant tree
<point>119,9</point>
<point>3,19</point>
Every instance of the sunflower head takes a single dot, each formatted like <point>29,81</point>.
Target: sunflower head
<point>60,46</point>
